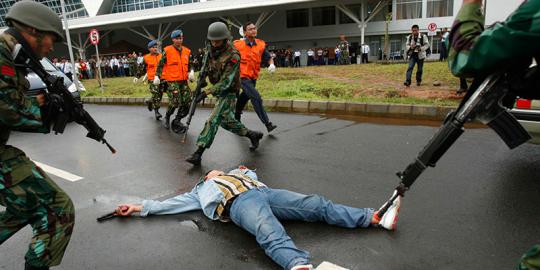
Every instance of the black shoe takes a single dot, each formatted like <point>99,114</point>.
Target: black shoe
<point>254,137</point>
<point>461,91</point>
<point>177,126</point>
<point>270,127</point>
<point>149,105</point>
<point>166,124</point>
<point>157,114</point>
<point>407,84</point>
<point>196,157</point>
<point>418,83</point>
<point>30,267</point>
<point>237,116</point>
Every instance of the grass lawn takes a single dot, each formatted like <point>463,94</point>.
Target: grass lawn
<point>373,83</point>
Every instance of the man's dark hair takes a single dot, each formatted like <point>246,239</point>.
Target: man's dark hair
<point>415,26</point>
<point>247,24</point>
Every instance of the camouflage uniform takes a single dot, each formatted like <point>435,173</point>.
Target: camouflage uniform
<point>344,58</point>
<point>29,195</point>
<point>178,92</point>
<point>224,74</point>
<point>475,52</point>
<point>132,62</point>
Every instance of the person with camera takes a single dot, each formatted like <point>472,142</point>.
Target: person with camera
<point>29,195</point>
<point>417,45</point>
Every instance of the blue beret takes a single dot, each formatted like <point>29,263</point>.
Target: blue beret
<point>152,43</point>
<point>176,33</point>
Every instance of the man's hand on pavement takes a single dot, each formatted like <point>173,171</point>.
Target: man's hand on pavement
<point>128,209</point>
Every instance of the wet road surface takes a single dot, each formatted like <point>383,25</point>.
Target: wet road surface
<point>478,209</point>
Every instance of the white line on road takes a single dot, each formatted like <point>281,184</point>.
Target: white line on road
<point>60,173</point>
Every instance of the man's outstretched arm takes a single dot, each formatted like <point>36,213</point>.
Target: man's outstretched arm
<point>179,204</point>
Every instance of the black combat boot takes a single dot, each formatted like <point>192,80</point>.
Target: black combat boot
<point>196,157</point>
<point>31,267</point>
<point>168,119</point>
<point>270,127</point>
<point>157,114</point>
<point>177,126</point>
<point>149,105</point>
<point>254,137</point>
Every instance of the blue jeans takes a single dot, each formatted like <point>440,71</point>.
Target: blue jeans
<point>412,61</point>
<point>250,93</point>
<point>258,211</point>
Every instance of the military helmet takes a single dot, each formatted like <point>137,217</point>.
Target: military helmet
<point>218,31</point>
<point>36,15</point>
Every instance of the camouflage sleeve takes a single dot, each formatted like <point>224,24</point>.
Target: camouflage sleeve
<point>475,52</point>
<point>17,112</point>
<point>227,77</point>
<point>160,65</point>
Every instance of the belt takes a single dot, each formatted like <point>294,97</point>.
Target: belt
<point>227,210</point>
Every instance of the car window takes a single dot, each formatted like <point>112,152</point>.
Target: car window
<point>47,65</point>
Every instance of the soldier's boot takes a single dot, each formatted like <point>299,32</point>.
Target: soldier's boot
<point>196,157</point>
<point>254,137</point>
<point>168,119</point>
<point>31,267</point>
<point>270,127</point>
<point>157,114</point>
<point>149,105</point>
<point>237,116</point>
<point>177,126</point>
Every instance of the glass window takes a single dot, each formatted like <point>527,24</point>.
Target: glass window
<point>381,16</point>
<point>298,18</point>
<point>408,9</point>
<point>374,46</point>
<point>436,46</point>
<point>74,8</point>
<point>440,8</point>
<point>344,19</point>
<point>324,15</point>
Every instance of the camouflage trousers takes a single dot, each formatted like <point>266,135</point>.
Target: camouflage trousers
<point>31,197</point>
<point>531,259</point>
<point>344,58</point>
<point>179,97</point>
<point>157,94</point>
<point>222,115</point>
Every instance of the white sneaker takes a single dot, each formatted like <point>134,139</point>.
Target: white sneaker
<point>389,219</point>
<point>303,267</point>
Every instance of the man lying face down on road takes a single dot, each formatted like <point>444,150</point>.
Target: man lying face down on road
<point>250,204</point>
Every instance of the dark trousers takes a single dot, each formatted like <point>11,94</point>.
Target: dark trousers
<point>296,61</point>
<point>413,61</point>
<point>250,93</point>
<point>463,84</point>
<point>365,58</point>
<point>310,60</point>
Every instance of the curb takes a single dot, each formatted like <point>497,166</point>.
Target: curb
<point>425,112</point>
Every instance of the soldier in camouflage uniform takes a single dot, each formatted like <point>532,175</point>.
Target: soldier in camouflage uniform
<point>343,47</point>
<point>224,73</point>
<point>176,68</point>
<point>151,61</point>
<point>510,45</point>
<point>29,195</point>
<point>132,63</point>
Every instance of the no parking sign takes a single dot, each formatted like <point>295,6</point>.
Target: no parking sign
<point>432,27</point>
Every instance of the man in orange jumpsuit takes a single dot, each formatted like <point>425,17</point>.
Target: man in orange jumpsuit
<point>175,67</point>
<point>252,52</point>
<point>151,61</point>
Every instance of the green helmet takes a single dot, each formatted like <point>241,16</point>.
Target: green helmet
<point>218,31</point>
<point>36,15</point>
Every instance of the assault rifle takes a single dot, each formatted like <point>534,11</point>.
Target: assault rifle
<point>201,83</point>
<point>488,101</point>
<point>59,96</point>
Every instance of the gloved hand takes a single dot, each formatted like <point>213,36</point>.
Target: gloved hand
<point>272,68</point>
<point>200,97</point>
<point>191,76</point>
<point>135,80</point>
<point>156,81</point>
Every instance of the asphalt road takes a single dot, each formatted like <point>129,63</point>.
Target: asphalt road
<point>478,209</point>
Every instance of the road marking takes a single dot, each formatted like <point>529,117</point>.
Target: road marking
<point>60,173</point>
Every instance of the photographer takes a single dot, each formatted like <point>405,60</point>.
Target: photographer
<point>416,46</point>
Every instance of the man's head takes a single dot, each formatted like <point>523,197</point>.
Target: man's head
<point>218,33</point>
<point>38,24</point>
<point>152,46</point>
<point>177,37</point>
<point>342,37</point>
<point>250,30</point>
<point>415,30</point>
